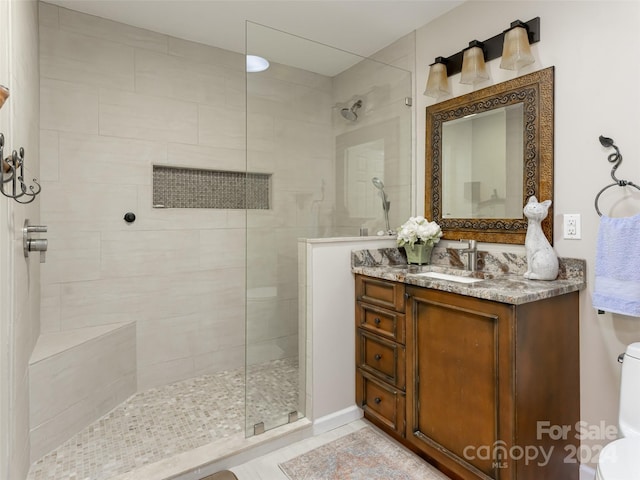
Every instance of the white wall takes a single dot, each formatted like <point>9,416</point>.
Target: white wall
<point>594,46</point>
<point>19,277</point>
<point>330,312</point>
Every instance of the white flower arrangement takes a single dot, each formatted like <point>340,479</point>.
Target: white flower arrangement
<point>419,230</point>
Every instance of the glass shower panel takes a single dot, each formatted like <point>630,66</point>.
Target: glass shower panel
<point>321,153</point>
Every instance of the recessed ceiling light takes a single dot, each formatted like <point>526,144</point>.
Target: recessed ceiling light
<point>256,64</point>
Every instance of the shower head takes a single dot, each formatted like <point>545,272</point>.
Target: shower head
<point>383,195</point>
<point>350,113</point>
<point>377,183</point>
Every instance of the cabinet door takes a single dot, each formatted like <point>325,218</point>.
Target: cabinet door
<point>459,407</point>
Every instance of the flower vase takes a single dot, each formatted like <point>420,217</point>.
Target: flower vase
<point>418,253</point>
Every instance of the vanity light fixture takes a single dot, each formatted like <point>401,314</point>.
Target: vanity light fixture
<point>474,70</point>
<point>437,82</point>
<point>256,64</point>
<point>516,52</point>
<point>515,41</point>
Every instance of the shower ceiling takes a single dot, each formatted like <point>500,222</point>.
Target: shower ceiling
<point>360,26</point>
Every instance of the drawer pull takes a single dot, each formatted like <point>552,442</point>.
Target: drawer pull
<point>376,320</point>
<point>377,400</point>
<point>377,356</point>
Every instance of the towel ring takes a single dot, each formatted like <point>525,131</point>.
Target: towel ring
<point>616,158</point>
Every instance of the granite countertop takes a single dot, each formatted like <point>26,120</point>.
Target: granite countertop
<point>501,274</point>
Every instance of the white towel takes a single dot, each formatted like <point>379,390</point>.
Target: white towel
<point>617,285</point>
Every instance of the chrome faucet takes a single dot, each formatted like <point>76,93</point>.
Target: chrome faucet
<point>472,254</point>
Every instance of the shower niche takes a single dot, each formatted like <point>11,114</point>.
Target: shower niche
<point>179,187</point>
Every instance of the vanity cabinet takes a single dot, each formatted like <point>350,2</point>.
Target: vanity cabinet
<point>484,381</point>
<point>380,352</point>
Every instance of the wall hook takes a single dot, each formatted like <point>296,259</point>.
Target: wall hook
<point>9,168</point>
<point>616,159</point>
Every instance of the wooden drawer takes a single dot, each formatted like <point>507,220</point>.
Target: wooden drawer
<point>381,401</point>
<point>383,293</point>
<point>381,357</point>
<point>385,323</point>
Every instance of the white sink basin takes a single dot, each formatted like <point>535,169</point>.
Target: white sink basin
<point>451,278</point>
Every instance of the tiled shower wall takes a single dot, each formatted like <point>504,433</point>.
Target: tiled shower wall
<point>19,277</point>
<point>383,116</point>
<point>116,99</point>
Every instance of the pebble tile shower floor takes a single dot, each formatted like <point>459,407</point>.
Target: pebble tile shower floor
<point>165,421</point>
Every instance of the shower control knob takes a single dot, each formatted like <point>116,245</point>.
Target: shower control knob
<point>129,217</point>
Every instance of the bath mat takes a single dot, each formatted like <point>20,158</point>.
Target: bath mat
<point>362,455</point>
<point>223,475</point>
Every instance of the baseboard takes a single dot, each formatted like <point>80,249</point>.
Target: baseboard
<point>587,473</point>
<point>336,419</point>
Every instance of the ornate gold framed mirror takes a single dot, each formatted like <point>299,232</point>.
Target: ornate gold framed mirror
<point>487,152</point>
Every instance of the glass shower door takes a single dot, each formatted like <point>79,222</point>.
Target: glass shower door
<point>318,164</point>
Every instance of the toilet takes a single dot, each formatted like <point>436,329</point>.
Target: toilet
<point>620,459</point>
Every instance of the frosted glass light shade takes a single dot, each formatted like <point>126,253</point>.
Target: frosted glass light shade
<point>474,70</point>
<point>516,51</point>
<point>437,82</point>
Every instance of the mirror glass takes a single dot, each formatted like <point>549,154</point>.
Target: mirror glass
<point>482,165</point>
<point>487,153</point>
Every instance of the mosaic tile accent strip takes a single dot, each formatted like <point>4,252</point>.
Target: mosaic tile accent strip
<point>162,422</point>
<point>175,187</point>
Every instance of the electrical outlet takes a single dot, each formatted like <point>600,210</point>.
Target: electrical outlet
<point>572,230</point>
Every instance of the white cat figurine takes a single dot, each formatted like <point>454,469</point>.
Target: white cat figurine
<point>542,262</point>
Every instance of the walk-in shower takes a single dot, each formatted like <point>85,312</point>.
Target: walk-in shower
<point>202,297</point>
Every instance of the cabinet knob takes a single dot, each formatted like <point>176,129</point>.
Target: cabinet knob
<point>376,320</point>
<point>406,295</point>
<point>377,399</point>
<point>377,356</point>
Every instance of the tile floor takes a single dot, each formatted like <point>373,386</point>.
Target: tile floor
<point>162,422</point>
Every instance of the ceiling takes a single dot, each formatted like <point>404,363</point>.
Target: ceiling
<point>358,26</point>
